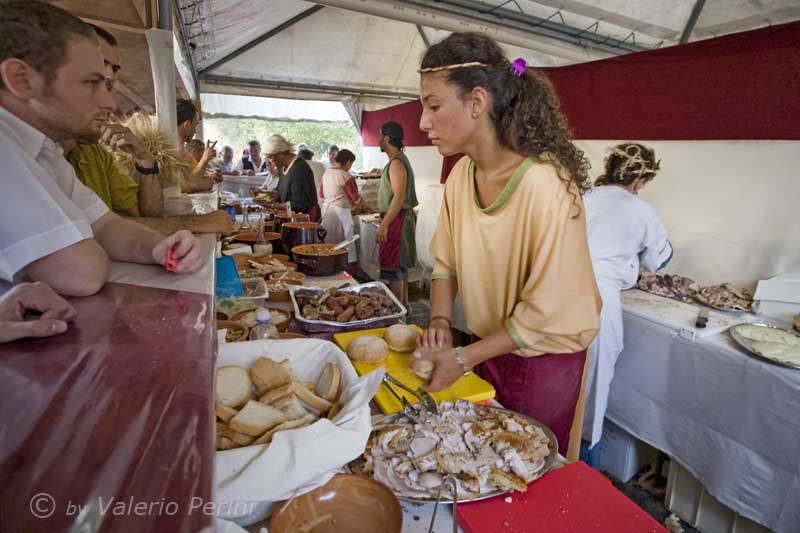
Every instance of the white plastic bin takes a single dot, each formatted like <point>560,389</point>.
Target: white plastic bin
<point>621,454</point>
<point>687,498</point>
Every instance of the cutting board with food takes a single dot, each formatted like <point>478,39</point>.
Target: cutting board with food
<point>678,315</point>
<point>469,387</point>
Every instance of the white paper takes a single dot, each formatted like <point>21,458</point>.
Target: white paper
<point>250,480</point>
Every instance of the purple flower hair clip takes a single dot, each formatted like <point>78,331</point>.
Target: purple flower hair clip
<point>518,66</point>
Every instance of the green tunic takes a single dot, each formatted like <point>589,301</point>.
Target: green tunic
<point>408,243</point>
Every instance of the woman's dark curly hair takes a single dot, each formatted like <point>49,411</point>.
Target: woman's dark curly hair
<point>525,109</point>
<point>629,162</point>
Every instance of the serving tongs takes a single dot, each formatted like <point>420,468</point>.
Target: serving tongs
<point>425,399</point>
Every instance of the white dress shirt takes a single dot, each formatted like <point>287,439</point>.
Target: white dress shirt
<point>44,207</point>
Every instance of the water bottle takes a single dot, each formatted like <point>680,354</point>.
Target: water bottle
<point>264,328</point>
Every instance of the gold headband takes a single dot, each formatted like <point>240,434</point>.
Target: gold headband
<point>451,67</point>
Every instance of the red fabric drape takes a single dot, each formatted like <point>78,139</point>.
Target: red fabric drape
<point>741,86</point>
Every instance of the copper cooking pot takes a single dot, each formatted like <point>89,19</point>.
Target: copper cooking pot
<point>314,259</point>
<point>281,217</point>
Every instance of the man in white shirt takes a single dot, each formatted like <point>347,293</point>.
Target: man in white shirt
<point>52,227</point>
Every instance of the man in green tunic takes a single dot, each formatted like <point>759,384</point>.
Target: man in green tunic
<point>397,199</point>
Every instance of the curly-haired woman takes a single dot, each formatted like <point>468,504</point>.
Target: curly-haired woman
<point>624,232</point>
<point>511,237</point>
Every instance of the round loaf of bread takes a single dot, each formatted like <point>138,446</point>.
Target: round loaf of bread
<point>401,338</point>
<point>421,367</point>
<point>368,348</point>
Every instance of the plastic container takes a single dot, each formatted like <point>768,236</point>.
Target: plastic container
<point>623,455</point>
<point>687,498</point>
<point>264,328</point>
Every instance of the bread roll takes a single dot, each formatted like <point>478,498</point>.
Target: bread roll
<point>233,386</point>
<point>401,338</point>
<point>421,367</point>
<point>368,348</point>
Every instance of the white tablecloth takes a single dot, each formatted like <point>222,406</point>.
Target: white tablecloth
<point>731,420</point>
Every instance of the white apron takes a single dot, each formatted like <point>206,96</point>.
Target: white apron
<point>623,232</point>
<point>334,218</point>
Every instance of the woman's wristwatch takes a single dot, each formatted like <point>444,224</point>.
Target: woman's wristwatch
<point>461,360</point>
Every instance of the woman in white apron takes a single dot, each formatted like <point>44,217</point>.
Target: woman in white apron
<point>624,233</point>
<point>338,193</point>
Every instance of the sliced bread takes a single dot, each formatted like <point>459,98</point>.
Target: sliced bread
<point>314,402</point>
<point>239,438</point>
<point>334,410</point>
<point>291,407</point>
<point>224,412</point>
<point>328,384</point>
<point>278,392</point>
<point>234,387</point>
<point>256,418</point>
<point>268,374</point>
<point>291,424</point>
<point>226,444</point>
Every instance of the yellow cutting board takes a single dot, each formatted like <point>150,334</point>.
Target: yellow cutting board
<point>469,387</point>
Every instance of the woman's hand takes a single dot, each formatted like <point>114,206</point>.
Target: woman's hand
<point>381,234</point>
<point>438,335</point>
<point>446,369</point>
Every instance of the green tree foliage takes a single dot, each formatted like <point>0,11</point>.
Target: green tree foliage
<point>316,135</point>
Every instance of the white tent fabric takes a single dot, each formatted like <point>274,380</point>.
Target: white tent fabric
<point>335,49</point>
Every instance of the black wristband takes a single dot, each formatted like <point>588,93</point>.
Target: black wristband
<point>152,170</point>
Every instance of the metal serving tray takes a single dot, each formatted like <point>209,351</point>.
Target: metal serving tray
<point>396,417</point>
<point>315,326</point>
<point>745,343</point>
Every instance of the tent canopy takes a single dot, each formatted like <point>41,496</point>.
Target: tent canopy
<point>367,52</point>
<point>334,49</point>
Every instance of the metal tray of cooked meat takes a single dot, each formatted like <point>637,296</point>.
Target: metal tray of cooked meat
<point>354,466</point>
<point>746,344</point>
<point>316,326</point>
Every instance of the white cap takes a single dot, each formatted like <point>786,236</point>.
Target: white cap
<point>262,315</point>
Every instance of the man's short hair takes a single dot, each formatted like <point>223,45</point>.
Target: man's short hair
<point>103,34</point>
<point>253,143</point>
<point>306,154</point>
<point>332,147</point>
<point>195,144</point>
<point>186,110</point>
<point>38,33</point>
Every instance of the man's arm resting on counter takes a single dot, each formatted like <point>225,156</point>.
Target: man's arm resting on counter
<point>125,240</point>
<point>77,270</point>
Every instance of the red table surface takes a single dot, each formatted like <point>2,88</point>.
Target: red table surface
<point>115,415</point>
<point>572,499</point>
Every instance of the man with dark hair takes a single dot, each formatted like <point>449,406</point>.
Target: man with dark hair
<point>254,163</point>
<point>140,198</point>
<point>199,179</point>
<point>188,119</point>
<point>52,88</point>
<point>111,61</point>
